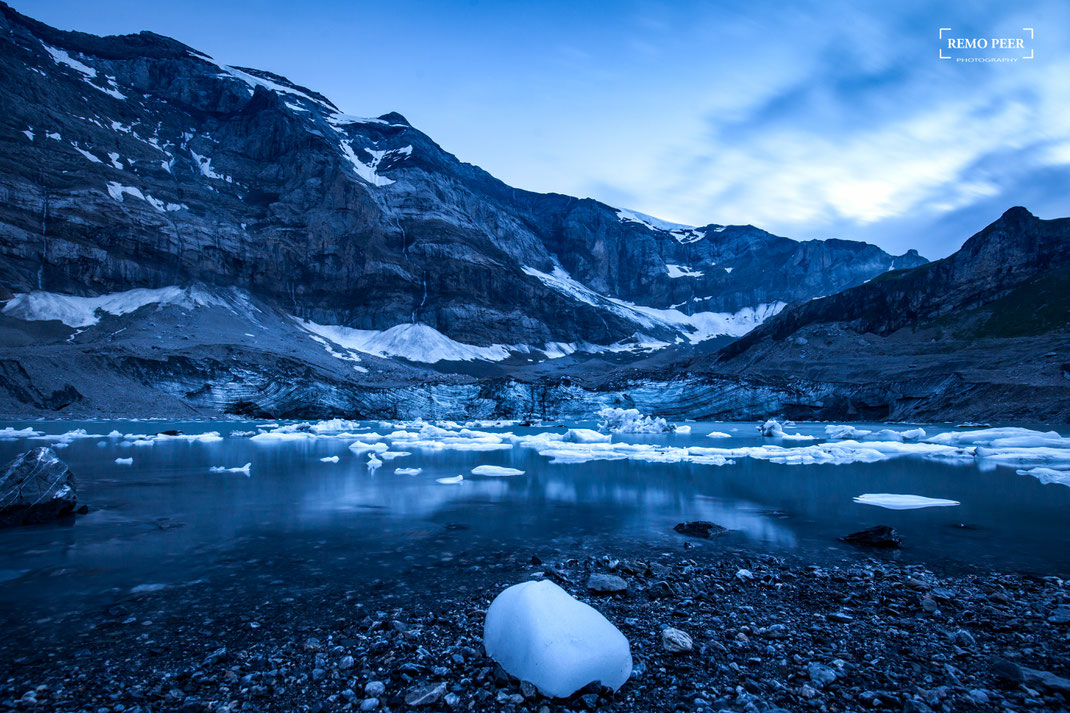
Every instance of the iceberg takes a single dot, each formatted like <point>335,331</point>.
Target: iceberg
<point>895,501</point>
<point>495,471</point>
<point>539,633</point>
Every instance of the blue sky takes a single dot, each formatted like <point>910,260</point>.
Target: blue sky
<point>811,120</point>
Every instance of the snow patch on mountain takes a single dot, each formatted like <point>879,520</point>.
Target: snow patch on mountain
<point>61,57</point>
<point>415,342</point>
<point>676,271</point>
<point>695,327</point>
<point>367,170</point>
<point>116,191</point>
<point>79,312</point>
<point>631,216</point>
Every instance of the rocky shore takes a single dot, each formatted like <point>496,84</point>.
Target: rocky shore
<point>709,631</point>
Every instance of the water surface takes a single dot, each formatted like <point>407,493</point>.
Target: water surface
<point>167,519</point>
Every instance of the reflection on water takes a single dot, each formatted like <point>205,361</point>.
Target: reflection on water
<point>167,519</point>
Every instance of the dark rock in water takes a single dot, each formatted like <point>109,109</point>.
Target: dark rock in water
<point>36,487</point>
<point>171,432</point>
<point>879,536</point>
<point>700,528</point>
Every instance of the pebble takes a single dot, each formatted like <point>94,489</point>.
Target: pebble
<point>676,641</point>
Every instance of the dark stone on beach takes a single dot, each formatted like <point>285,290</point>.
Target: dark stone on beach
<point>879,536</point>
<point>606,584</point>
<point>699,528</point>
<point>36,487</point>
<point>425,695</point>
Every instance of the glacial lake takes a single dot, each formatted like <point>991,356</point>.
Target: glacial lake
<point>167,519</point>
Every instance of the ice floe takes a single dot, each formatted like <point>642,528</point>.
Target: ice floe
<point>239,469</point>
<point>773,429</point>
<point>896,501</point>
<point>629,420</point>
<point>495,471</point>
<point>455,480</point>
<point>124,461</point>
<point>9,433</point>
<point>408,471</point>
<point>1048,475</point>
<point>329,459</point>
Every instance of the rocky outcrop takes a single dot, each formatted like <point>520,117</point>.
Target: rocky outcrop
<point>36,487</point>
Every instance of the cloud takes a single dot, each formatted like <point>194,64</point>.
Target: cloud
<point>865,129</point>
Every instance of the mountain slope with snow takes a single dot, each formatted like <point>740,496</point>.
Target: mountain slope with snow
<point>136,162</point>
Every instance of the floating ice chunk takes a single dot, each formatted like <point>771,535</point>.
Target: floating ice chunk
<point>771,427</point>
<point>408,471</point>
<point>124,461</point>
<point>391,455</point>
<point>334,425</point>
<point>1048,475</point>
<point>329,459</point>
<point>996,437</point>
<point>495,471</point>
<point>277,436</point>
<point>914,434</point>
<point>833,431</point>
<point>10,433</point>
<point>683,430</point>
<point>895,501</point>
<point>455,480</point>
<point>373,461</point>
<point>362,447</point>
<point>717,434</point>
<point>1035,456</point>
<point>620,420</point>
<point>223,469</point>
<point>586,435</point>
<point>539,633</point>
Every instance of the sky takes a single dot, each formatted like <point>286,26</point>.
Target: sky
<point>807,119</point>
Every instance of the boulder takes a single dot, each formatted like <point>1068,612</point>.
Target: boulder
<point>606,584</point>
<point>879,536</point>
<point>36,487</point>
<point>699,528</point>
<point>537,632</point>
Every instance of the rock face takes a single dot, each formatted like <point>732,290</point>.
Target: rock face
<point>977,334</point>
<point>138,162</point>
<point>538,633</point>
<point>36,487</point>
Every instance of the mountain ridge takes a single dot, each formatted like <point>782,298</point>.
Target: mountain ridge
<point>367,223</point>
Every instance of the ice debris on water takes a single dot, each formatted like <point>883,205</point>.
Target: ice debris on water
<point>329,459</point>
<point>239,469</point>
<point>629,420</point>
<point>124,461</point>
<point>896,501</point>
<point>495,471</point>
<point>455,480</point>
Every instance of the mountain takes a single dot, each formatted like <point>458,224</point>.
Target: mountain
<point>137,163</point>
<point>981,334</point>
<point>185,238</point>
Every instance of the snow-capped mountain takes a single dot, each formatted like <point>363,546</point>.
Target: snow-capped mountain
<point>137,163</point>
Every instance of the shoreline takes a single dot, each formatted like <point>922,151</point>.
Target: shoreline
<point>769,633</point>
